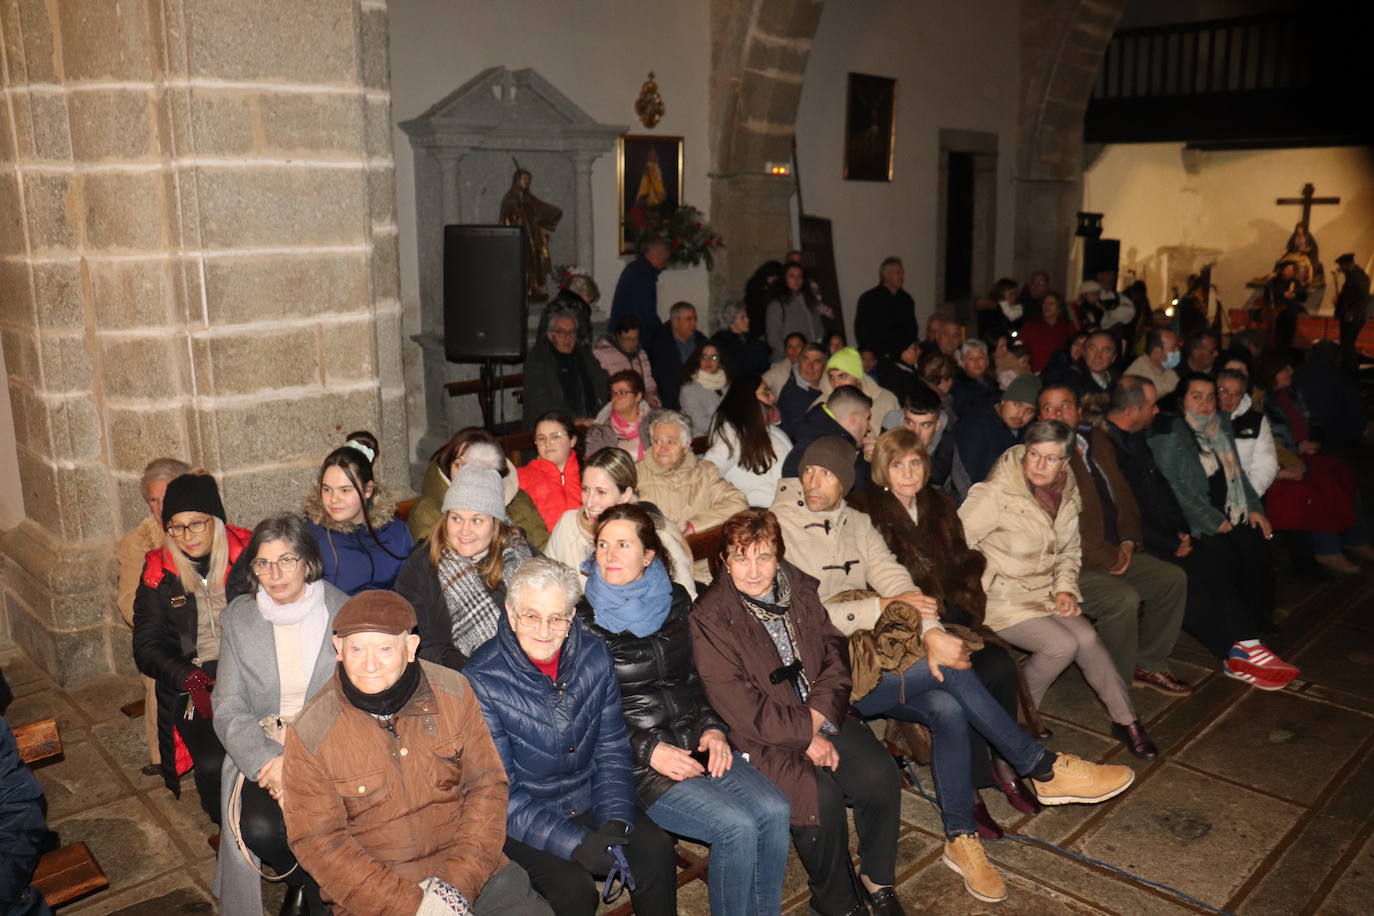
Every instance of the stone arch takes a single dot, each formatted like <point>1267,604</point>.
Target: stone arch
<point>1062,43</point>
<point>759,50</point>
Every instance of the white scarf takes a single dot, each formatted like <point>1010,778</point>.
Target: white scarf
<point>711,381</point>
<point>309,611</point>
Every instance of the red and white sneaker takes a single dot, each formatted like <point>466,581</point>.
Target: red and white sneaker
<point>1259,667</point>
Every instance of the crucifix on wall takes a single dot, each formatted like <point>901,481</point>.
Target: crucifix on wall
<point>1301,249</point>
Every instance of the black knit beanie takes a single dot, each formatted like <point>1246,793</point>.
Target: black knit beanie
<point>192,493</point>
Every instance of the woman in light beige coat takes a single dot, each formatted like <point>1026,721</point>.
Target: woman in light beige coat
<point>688,491</point>
<point>1024,519</point>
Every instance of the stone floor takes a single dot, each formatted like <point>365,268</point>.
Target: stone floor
<point>1260,803</point>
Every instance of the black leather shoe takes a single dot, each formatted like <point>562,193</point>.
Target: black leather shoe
<point>1135,739</point>
<point>883,902</point>
<point>294,904</point>
<point>1044,734</point>
<point>988,829</point>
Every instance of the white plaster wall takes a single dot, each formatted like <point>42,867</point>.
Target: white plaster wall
<point>597,53</point>
<point>957,67</point>
<point>1155,195</point>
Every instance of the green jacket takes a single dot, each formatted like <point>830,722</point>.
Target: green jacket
<point>521,509</point>
<point>1179,458</point>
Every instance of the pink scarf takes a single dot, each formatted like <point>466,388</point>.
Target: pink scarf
<point>628,432</point>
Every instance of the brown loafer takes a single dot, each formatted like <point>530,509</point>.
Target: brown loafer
<point>1135,739</point>
<point>1161,682</point>
<point>988,828</point>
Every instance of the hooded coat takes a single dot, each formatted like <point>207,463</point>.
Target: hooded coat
<point>356,559</point>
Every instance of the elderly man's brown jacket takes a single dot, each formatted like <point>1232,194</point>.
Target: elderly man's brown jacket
<point>371,815</point>
<point>1098,551</point>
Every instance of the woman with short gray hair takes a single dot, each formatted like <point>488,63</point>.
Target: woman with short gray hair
<point>275,653</point>
<point>1024,519</point>
<point>688,491</point>
<point>976,386</point>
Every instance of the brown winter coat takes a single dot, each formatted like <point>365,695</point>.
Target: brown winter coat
<point>734,656</point>
<point>371,816</point>
<point>1098,552</point>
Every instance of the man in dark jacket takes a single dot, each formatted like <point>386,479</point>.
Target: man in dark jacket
<point>898,373</point>
<point>423,829</point>
<point>672,343</point>
<point>922,415</point>
<point>636,292</point>
<point>985,434</point>
<point>1135,600</point>
<point>846,413</point>
<point>562,374</point>
<point>22,829</point>
<point>742,351</point>
<point>1227,601</point>
<point>885,319</point>
<point>1352,308</point>
<point>801,389</point>
<point>1093,373</point>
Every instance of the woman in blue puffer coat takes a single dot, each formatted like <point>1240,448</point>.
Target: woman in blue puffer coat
<point>548,691</point>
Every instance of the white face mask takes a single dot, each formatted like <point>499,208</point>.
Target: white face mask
<point>1171,359</point>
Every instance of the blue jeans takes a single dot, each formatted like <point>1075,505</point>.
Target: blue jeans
<point>949,709</point>
<point>1357,535</point>
<point>744,818</point>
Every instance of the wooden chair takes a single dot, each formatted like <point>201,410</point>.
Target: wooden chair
<point>70,871</point>
<point>403,509</point>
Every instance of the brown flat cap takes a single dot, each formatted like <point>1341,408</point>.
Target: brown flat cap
<point>375,612</point>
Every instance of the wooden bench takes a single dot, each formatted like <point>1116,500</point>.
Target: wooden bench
<point>70,871</point>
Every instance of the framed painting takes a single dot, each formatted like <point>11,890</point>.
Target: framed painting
<point>649,176</point>
<point>870,127</point>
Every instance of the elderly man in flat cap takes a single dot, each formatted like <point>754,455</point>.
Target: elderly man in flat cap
<point>397,799</point>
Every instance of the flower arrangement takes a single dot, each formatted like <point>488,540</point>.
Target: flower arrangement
<point>690,238</point>
<point>566,272</point>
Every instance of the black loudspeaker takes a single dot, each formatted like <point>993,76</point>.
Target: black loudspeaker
<point>1100,254</point>
<point>484,294</point>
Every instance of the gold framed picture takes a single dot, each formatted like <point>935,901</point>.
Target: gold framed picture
<point>649,177</point>
<point>870,127</point>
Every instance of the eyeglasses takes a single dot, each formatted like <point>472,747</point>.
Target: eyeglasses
<point>710,357</point>
<point>623,393</point>
<point>1053,461</point>
<point>551,438</point>
<point>535,623</point>
<point>667,442</point>
<point>557,333</point>
<point>286,565</point>
<point>196,527</point>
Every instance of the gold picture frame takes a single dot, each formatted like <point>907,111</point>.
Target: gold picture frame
<point>633,173</point>
<point>870,127</point>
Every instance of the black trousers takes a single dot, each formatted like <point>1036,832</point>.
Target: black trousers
<point>996,670</point>
<point>1230,588</point>
<point>866,778</point>
<point>572,891</point>
<point>208,756</point>
<point>264,832</point>
<point>1350,334</point>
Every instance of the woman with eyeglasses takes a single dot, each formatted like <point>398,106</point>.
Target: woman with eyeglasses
<point>1024,519</point>
<point>548,692</point>
<point>705,381</point>
<point>688,777</point>
<point>274,655</point>
<point>554,479</point>
<point>177,612</point>
<point>446,461</point>
<point>353,520</point>
<point>620,424</point>
<point>456,578</point>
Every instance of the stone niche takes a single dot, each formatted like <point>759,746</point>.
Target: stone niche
<point>465,147</point>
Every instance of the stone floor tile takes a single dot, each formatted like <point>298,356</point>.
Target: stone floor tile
<point>1341,657</point>
<point>48,703</point>
<point>911,847</point>
<point>188,823</point>
<point>1058,873</point>
<point>123,740</point>
<point>1071,699</point>
<point>21,674</point>
<point>1256,742</point>
<point>130,844</point>
<point>1214,696</point>
<point>99,700</point>
<point>80,780</point>
<point>1354,892</point>
<point>173,894</point>
<point>1195,833</point>
<point>938,891</point>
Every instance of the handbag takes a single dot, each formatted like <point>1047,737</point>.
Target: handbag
<point>274,727</point>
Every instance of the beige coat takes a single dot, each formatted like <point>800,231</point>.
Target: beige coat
<point>132,554</point>
<point>1030,557</point>
<point>847,555</point>
<point>570,543</point>
<point>692,492</point>
<point>884,402</point>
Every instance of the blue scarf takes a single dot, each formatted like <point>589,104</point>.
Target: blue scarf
<point>639,607</point>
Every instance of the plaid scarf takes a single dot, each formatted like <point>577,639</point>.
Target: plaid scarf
<point>778,623</point>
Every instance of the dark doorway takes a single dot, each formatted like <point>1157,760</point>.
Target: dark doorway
<point>958,283</point>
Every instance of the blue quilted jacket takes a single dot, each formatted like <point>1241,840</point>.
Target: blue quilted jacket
<point>563,743</point>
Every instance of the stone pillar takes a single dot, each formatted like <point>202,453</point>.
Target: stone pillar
<point>197,259</point>
<point>582,184</point>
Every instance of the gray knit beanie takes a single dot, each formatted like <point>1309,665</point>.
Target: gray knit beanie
<point>476,489</point>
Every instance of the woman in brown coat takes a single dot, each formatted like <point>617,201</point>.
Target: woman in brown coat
<point>776,670</point>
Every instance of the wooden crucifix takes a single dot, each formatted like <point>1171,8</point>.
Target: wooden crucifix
<point>1307,200</point>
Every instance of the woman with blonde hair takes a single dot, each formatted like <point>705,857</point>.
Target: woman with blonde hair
<point>609,478</point>
<point>456,579</point>
<point>177,626</point>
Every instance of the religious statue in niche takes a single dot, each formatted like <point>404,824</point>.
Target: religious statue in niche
<point>1301,250</point>
<point>519,207</point>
